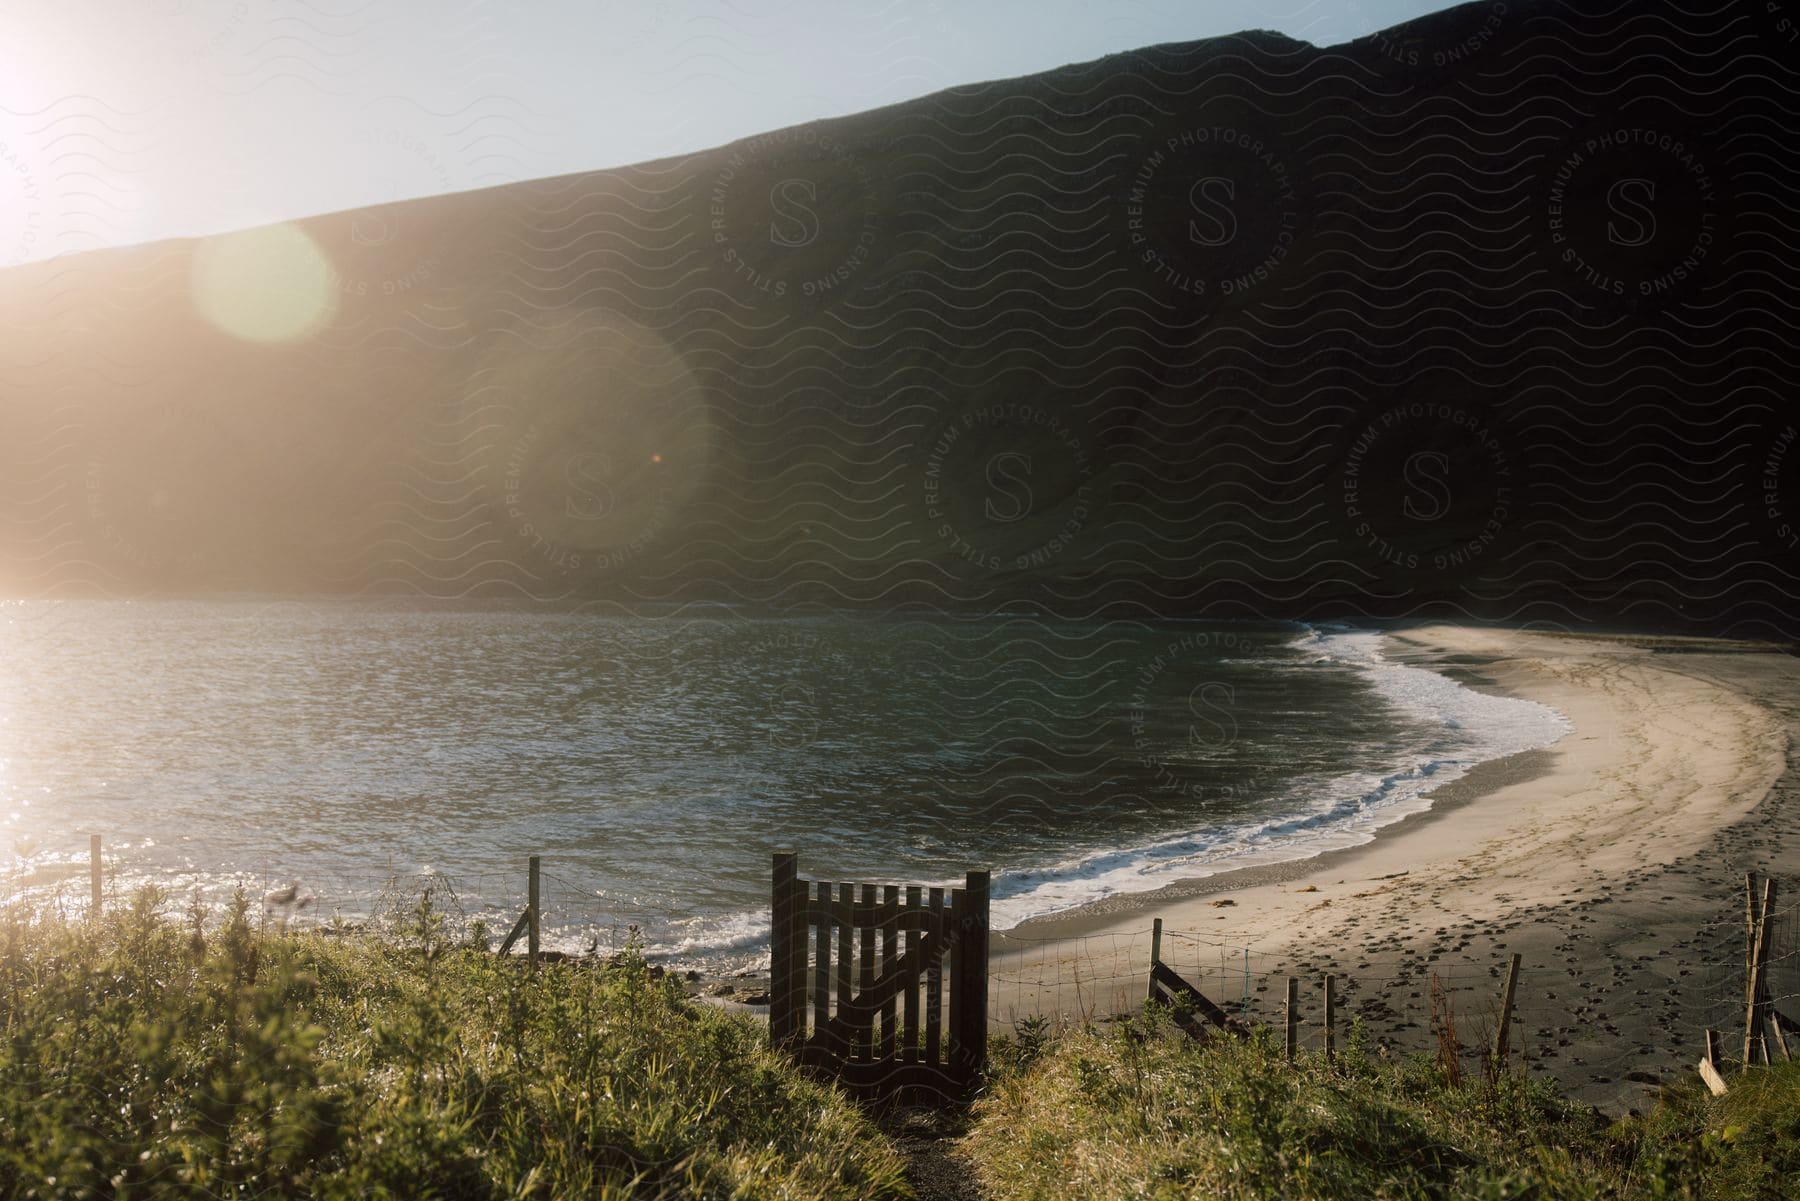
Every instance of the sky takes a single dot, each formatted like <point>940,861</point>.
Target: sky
<point>125,121</point>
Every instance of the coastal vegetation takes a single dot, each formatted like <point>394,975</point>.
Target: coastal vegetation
<point>160,1054</point>
<point>1144,1112</point>
<point>148,1055</point>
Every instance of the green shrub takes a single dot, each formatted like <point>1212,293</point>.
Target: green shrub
<point>142,1058</point>
<point>1744,1146</point>
<point>1143,1112</point>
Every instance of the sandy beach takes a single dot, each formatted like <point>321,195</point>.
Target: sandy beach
<point>1612,862</point>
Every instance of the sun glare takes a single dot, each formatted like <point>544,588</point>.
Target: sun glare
<point>263,285</point>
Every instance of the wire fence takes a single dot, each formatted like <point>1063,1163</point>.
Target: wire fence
<point>473,906</point>
<point>1621,1015</point>
<point>1598,1014</point>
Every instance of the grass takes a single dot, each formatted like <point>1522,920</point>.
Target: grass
<point>144,1056</point>
<point>1144,1113</point>
<point>149,1055</point>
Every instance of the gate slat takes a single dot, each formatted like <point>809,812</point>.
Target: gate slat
<point>934,988</point>
<point>890,938</point>
<point>865,936</point>
<point>822,968</point>
<point>846,963</point>
<point>909,1031</point>
<point>953,1005</point>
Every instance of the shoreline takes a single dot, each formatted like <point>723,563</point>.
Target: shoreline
<point>1480,780</point>
<point>1477,781</point>
<point>1637,825</point>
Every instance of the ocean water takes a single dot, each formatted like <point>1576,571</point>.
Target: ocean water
<point>655,762</point>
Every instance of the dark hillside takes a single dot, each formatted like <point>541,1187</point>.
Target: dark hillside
<point>1489,314</point>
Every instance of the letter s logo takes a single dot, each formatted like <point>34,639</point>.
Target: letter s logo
<point>1008,478</point>
<point>590,496</point>
<point>1210,198</point>
<point>795,224</point>
<point>1630,200</point>
<point>1222,725</point>
<point>1427,476</point>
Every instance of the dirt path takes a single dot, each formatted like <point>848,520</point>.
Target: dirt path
<point>935,1165</point>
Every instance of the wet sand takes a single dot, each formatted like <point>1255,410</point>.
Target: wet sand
<point>1611,862</point>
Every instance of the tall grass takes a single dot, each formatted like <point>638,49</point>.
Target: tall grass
<point>148,1056</point>
<point>1144,1113</point>
<point>156,1055</point>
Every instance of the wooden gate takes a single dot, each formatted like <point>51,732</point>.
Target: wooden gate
<point>871,1013</point>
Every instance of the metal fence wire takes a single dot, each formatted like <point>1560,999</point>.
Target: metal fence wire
<point>1566,1017</point>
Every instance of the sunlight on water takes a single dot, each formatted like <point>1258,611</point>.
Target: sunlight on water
<point>655,762</point>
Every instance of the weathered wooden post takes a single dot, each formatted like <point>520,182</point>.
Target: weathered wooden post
<point>868,921</point>
<point>1293,1016</point>
<point>1155,958</point>
<point>934,983</point>
<point>843,1044</point>
<point>1765,1005</point>
<point>94,871</point>
<point>1750,925</point>
<point>821,1002</point>
<point>1504,1027</point>
<point>890,959</point>
<point>1749,956</point>
<point>909,1013</point>
<point>1330,1018</point>
<point>533,928</point>
<point>1755,1047</point>
<point>783,987</point>
<point>968,981</point>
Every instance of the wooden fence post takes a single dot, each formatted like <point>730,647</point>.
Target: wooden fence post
<point>1293,1015</point>
<point>1750,924</point>
<point>968,981</point>
<point>934,984</point>
<point>784,980</point>
<point>534,927</point>
<point>1504,1027</point>
<point>867,921</point>
<point>844,1044</point>
<point>890,959</point>
<point>1765,1005</point>
<point>94,869</point>
<point>1761,928</point>
<point>1155,958</point>
<point>822,973</point>
<point>1330,1017</point>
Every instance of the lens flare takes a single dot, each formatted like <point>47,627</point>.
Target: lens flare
<point>263,285</point>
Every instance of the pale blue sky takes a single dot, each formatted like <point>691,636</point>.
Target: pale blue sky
<point>125,120</point>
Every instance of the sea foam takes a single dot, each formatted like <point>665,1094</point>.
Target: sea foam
<point>1468,728</point>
